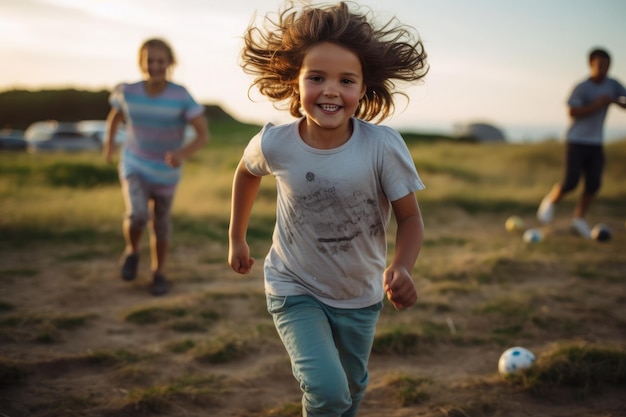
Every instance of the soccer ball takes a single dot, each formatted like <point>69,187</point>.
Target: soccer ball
<point>514,224</point>
<point>601,233</point>
<point>532,235</point>
<point>515,359</point>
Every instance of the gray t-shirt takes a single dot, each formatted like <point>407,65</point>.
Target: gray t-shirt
<point>333,210</point>
<point>589,130</point>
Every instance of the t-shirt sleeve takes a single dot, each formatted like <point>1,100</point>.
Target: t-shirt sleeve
<point>619,89</point>
<point>254,157</point>
<point>192,108</point>
<point>399,176</point>
<point>117,96</point>
<point>577,98</point>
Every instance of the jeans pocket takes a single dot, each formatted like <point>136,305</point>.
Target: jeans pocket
<point>275,303</point>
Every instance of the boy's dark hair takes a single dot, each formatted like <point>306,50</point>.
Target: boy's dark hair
<point>599,53</point>
<point>274,54</point>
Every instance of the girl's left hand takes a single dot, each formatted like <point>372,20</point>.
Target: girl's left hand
<point>399,287</point>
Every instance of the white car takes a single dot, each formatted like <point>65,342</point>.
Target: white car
<point>98,128</point>
<point>86,135</point>
<point>51,136</point>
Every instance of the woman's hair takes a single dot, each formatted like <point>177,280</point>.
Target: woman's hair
<point>158,43</point>
<point>273,54</point>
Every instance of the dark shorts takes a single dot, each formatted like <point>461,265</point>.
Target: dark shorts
<point>587,160</point>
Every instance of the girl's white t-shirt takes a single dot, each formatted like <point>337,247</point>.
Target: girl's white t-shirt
<point>333,210</point>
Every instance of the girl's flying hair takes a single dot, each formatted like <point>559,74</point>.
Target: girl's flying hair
<point>273,54</point>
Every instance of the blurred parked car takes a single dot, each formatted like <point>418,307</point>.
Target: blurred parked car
<point>12,140</point>
<point>55,136</point>
<point>98,128</point>
<point>86,135</point>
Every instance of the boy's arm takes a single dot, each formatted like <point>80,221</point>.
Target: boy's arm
<point>582,111</point>
<point>245,189</point>
<point>397,279</point>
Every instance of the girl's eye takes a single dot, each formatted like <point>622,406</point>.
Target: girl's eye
<point>347,81</point>
<point>315,78</point>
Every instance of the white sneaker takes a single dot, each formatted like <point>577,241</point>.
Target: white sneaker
<point>579,225</point>
<point>546,210</point>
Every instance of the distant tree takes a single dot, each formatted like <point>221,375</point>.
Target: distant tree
<point>20,108</point>
<point>215,113</point>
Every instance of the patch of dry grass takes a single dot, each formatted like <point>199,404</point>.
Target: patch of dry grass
<point>160,399</point>
<point>588,367</point>
<point>41,328</point>
<point>408,390</point>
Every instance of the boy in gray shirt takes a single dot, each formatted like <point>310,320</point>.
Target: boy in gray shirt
<point>588,105</point>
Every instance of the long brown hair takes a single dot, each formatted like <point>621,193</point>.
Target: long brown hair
<point>273,54</point>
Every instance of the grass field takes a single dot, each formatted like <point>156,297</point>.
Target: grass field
<point>77,341</point>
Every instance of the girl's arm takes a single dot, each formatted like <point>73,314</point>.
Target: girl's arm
<point>397,279</point>
<point>113,121</point>
<point>174,159</point>
<point>245,189</point>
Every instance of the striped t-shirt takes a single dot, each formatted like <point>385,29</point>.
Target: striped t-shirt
<point>154,125</point>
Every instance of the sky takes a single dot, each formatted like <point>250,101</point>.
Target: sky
<point>505,62</point>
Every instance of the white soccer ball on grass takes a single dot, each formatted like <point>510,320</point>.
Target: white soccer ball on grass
<point>514,360</point>
<point>532,235</point>
<point>514,224</point>
<point>601,232</point>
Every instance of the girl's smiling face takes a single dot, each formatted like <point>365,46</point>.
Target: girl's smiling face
<point>155,63</point>
<point>330,84</point>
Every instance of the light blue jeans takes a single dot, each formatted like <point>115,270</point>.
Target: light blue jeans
<point>329,350</point>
